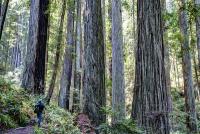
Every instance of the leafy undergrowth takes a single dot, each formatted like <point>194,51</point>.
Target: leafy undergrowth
<point>57,121</point>
<point>17,110</point>
<point>126,126</point>
<point>178,116</point>
<point>12,111</point>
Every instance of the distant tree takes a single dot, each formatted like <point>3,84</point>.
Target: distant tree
<point>34,70</point>
<point>94,66</point>
<point>66,77</point>
<point>118,83</point>
<point>187,71</point>
<point>150,100</point>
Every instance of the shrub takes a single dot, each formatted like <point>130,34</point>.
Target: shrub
<point>11,101</point>
<point>126,126</point>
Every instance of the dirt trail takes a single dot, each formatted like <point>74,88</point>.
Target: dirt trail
<point>21,130</point>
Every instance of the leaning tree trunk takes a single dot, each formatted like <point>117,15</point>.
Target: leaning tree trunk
<point>58,52</point>
<point>150,101</point>
<point>34,71</point>
<point>94,77</point>
<point>118,83</point>
<point>65,82</point>
<point>3,16</point>
<point>187,71</point>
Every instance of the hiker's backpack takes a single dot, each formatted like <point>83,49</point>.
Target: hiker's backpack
<point>37,109</point>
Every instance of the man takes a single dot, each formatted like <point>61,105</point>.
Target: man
<point>39,107</point>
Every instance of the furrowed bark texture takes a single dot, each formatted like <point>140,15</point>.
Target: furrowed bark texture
<point>118,83</point>
<point>187,72</point>
<point>34,71</point>
<point>150,101</point>
<point>94,77</point>
<point>65,82</point>
<point>40,59</point>
<point>29,67</point>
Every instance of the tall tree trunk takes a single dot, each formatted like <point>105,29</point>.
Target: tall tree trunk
<point>0,6</point>
<point>167,55</point>
<point>134,22</point>
<point>82,56</point>
<point>197,3</point>
<point>177,70</point>
<point>3,16</point>
<point>65,82</point>
<point>197,69</point>
<point>78,66</point>
<point>187,71</point>
<point>109,44</point>
<point>58,52</point>
<point>34,71</point>
<point>28,74</point>
<point>16,55</point>
<point>94,77</point>
<point>40,59</point>
<point>150,101</point>
<point>118,83</point>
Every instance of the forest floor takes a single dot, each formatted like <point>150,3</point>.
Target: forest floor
<point>21,130</point>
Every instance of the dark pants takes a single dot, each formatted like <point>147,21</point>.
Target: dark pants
<point>39,116</point>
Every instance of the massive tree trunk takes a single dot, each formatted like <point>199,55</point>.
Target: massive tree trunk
<point>118,83</point>
<point>150,101</point>
<point>3,16</point>
<point>58,52</point>
<point>28,80</point>
<point>94,73</point>
<point>40,59</point>
<point>65,82</point>
<point>34,71</point>
<point>187,71</point>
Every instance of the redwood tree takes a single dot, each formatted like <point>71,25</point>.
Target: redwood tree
<point>118,83</point>
<point>58,52</point>
<point>187,70</point>
<point>150,100</point>
<point>197,3</point>
<point>34,70</point>
<point>94,66</point>
<point>65,82</point>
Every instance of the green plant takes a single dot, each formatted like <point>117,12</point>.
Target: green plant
<point>126,126</point>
